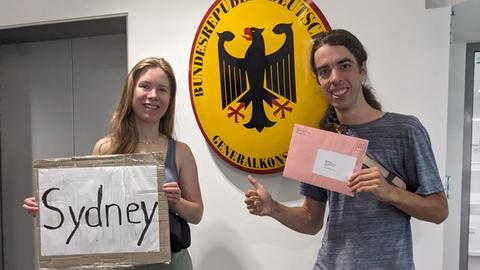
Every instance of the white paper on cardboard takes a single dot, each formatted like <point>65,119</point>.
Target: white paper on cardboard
<point>98,210</point>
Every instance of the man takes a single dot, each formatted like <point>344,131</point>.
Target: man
<point>371,230</point>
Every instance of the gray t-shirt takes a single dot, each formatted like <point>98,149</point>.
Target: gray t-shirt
<point>363,232</point>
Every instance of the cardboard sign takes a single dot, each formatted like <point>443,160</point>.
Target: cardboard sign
<point>101,211</point>
<point>325,159</point>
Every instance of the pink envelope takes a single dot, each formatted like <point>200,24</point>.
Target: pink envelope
<point>322,158</point>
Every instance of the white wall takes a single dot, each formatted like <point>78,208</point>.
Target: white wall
<point>408,66</point>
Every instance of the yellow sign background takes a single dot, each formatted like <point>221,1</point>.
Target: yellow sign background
<point>249,149</point>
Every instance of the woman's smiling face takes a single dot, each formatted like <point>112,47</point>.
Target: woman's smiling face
<point>151,96</point>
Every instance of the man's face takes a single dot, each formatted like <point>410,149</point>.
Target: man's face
<point>340,77</point>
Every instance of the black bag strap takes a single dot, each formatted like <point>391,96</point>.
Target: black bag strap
<point>391,177</point>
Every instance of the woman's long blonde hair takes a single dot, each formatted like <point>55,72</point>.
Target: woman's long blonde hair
<point>123,132</point>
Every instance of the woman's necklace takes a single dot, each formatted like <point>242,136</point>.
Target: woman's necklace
<point>157,140</point>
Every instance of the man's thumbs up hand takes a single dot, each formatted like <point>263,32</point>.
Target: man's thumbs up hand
<point>258,200</point>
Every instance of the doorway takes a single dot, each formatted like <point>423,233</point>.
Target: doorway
<point>59,86</point>
<point>471,211</point>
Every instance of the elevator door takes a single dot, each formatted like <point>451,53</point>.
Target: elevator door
<point>56,98</point>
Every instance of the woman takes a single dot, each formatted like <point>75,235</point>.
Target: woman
<point>143,122</point>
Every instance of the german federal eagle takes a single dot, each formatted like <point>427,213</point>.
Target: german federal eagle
<point>258,78</point>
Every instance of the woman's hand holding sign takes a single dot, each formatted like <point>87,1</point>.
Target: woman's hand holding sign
<point>31,206</point>
<point>173,193</point>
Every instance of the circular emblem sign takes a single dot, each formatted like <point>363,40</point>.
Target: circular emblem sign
<point>250,79</point>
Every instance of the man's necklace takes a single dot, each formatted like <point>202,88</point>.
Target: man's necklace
<point>343,129</point>
<point>340,129</point>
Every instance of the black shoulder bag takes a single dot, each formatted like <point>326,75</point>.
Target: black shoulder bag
<point>179,232</point>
